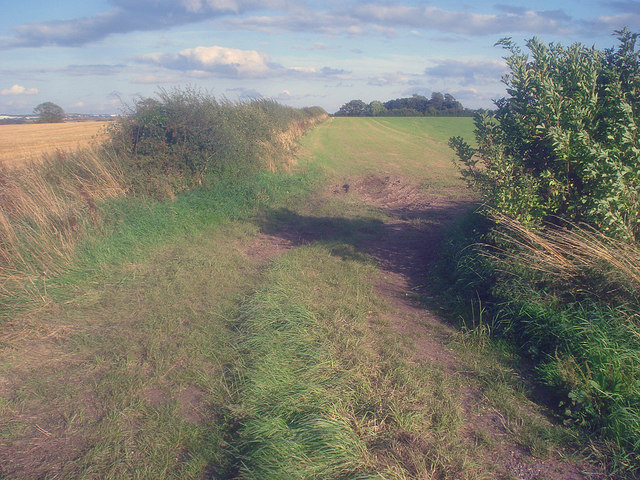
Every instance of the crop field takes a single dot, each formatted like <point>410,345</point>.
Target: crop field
<point>28,142</point>
<point>280,326</point>
<point>413,147</point>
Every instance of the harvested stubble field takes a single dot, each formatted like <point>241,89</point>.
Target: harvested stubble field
<point>28,142</point>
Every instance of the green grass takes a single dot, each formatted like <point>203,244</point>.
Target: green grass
<point>569,308</point>
<point>325,395</point>
<point>168,351</point>
<point>134,226</point>
<point>137,364</point>
<point>414,147</point>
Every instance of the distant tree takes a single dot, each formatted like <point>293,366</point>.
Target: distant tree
<point>354,108</point>
<point>49,112</point>
<point>437,101</point>
<point>376,108</point>
<point>402,112</point>
<point>414,106</point>
<point>451,104</point>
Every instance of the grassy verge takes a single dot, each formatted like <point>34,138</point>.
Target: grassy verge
<point>327,392</point>
<point>135,364</point>
<point>120,197</point>
<point>130,227</point>
<point>567,301</point>
<point>132,346</point>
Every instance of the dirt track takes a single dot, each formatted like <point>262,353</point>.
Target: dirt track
<point>405,250</point>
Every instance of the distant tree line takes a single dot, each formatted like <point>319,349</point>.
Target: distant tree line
<point>439,105</point>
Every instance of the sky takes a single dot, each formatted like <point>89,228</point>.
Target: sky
<point>101,56</point>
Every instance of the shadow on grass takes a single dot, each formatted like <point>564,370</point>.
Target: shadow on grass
<point>407,245</point>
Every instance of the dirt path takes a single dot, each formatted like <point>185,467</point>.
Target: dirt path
<point>405,252</point>
<point>127,357</point>
<point>405,246</point>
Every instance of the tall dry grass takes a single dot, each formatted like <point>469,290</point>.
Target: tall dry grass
<point>577,255</point>
<point>569,297</point>
<point>279,151</point>
<point>45,207</point>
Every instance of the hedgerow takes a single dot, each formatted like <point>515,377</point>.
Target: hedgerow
<point>565,142</point>
<point>177,139</point>
<point>558,167</point>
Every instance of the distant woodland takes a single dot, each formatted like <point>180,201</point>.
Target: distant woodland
<point>439,105</point>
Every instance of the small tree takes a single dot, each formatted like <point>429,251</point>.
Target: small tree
<point>376,108</point>
<point>49,112</point>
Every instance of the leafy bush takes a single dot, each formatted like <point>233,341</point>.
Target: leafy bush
<point>565,142</point>
<point>558,165</point>
<point>183,135</point>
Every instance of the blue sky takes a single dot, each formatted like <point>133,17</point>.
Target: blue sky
<point>95,56</point>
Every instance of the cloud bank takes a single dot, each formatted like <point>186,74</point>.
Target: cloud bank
<point>351,18</point>
<point>217,61</point>
<point>130,16</point>
<point>19,90</point>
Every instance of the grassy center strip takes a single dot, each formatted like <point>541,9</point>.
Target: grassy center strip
<point>328,392</point>
<point>295,388</point>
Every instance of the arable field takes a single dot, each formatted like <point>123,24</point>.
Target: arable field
<point>28,142</point>
<point>301,338</point>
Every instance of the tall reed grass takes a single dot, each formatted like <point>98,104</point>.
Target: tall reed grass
<point>46,206</point>
<point>577,256</point>
<point>569,297</point>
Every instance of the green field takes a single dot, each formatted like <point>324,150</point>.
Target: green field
<point>285,327</point>
<point>409,146</point>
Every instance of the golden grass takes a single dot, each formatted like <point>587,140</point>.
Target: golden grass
<point>570,252</point>
<point>44,207</point>
<point>280,151</point>
<point>21,144</point>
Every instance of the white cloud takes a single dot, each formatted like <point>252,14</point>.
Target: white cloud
<point>155,79</point>
<point>217,61</point>
<point>225,62</point>
<point>387,79</point>
<point>613,22</point>
<point>469,71</point>
<point>474,98</point>
<point>245,93</point>
<point>19,90</point>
